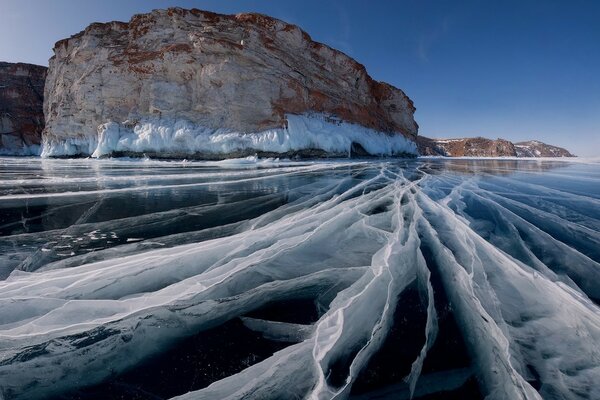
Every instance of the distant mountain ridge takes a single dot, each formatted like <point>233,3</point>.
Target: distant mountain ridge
<point>483,147</point>
<point>535,148</point>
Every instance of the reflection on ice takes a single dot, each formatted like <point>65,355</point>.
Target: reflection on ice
<point>275,279</point>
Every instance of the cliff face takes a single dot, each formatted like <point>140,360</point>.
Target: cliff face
<point>242,73</point>
<point>535,148</point>
<point>21,114</point>
<point>482,147</point>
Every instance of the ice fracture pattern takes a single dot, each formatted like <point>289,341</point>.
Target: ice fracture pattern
<point>272,279</point>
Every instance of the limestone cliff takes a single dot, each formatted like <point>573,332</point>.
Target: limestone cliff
<point>170,80</point>
<point>21,115</point>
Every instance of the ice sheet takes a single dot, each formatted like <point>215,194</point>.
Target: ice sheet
<point>513,249</point>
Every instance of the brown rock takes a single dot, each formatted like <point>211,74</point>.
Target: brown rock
<point>21,114</point>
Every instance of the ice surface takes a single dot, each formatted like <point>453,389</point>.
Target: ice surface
<point>113,262</point>
<point>180,137</point>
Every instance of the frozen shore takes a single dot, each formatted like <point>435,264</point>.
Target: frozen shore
<point>305,135</point>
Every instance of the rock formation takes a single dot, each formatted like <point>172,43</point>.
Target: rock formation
<point>176,82</point>
<point>482,147</point>
<point>21,114</point>
<point>535,148</point>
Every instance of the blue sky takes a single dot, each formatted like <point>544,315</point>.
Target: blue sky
<point>512,69</point>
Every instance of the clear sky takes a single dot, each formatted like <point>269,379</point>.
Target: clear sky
<point>512,69</point>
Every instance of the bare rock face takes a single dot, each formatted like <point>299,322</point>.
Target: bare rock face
<point>21,114</point>
<point>535,148</point>
<point>242,73</point>
<point>466,147</point>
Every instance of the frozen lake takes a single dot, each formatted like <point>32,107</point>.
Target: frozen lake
<point>275,279</point>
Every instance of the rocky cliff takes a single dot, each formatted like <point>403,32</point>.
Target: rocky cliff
<point>21,115</point>
<point>177,82</point>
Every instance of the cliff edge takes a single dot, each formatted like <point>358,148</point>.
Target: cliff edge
<point>182,82</point>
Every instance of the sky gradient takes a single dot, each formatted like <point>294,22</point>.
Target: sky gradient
<point>513,69</point>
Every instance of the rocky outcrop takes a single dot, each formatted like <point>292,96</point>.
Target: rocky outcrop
<point>21,114</point>
<point>482,147</point>
<point>535,148</point>
<point>126,87</point>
